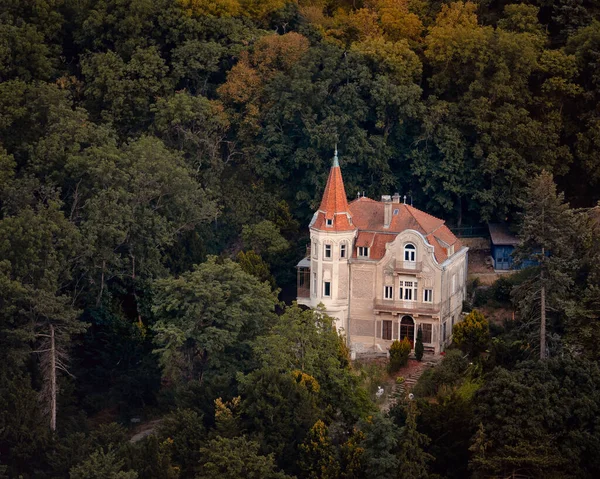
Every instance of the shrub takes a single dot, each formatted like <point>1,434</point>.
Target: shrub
<point>501,289</point>
<point>399,351</point>
<point>472,335</point>
<point>419,348</point>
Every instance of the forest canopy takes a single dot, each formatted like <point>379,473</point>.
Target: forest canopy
<point>159,163</point>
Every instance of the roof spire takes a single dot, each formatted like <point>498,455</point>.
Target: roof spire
<point>335,158</point>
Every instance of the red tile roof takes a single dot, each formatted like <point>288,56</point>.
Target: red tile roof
<point>368,215</point>
<point>334,204</point>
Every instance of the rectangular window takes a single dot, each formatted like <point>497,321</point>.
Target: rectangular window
<point>343,250</point>
<point>327,251</point>
<point>427,295</point>
<point>408,293</point>
<point>386,332</point>
<point>327,288</point>
<point>363,252</point>
<point>314,283</point>
<point>427,330</point>
<point>388,292</point>
<point>444,331</point>
<point>329,222</point>
<point>314,250</point>
<point>453,283</point>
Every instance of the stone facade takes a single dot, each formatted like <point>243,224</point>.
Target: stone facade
<point>388,270</point>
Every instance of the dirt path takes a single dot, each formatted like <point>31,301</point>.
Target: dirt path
<point>144,430</point>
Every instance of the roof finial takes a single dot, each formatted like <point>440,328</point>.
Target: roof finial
<point>335,158</point>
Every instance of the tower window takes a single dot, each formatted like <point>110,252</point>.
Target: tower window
<point>343,250</point>
<point>326,288</point>
<point>329,221</point>
<point>328,251</point>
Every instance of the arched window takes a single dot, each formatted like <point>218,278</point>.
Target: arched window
<point>410,252</point>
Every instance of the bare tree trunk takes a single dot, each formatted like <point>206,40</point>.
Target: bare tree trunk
<point>542,312</point>
<point>52,380</point>
<point>101,284</point>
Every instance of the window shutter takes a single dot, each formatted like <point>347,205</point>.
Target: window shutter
<point>395,332</point>
<point>378,329</point>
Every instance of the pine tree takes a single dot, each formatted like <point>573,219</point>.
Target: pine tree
<point>413,459</point>
<point>550,230</point>
<point>419,348</point>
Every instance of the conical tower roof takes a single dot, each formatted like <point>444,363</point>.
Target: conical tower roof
<point>334,214</point>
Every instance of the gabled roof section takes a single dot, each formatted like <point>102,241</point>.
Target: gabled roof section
<point>334,204</point>
<point>368,215</point>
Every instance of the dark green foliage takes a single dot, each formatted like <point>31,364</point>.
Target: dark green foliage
<point>399,352</point>
<point>553,443</point>
<point>101,465</point>
<point>234,458</point>
<point>447,373</point>
<point>183,434</point>
<point>413,459</point>
<point>472,334</point>
<point>144,143</point>
<point>278,411</point>
<point>419,348</point>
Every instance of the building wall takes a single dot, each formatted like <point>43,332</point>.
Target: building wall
<point>357,287</point>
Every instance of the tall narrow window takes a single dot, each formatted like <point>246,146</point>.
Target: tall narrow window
<point>410,253</point>
<point>453,283</point>
<point>327,251</point>
<point>444,331</point>
<point>427,295</point>
<point>427,330</point>
<point>386,332</point>
<point>388,292</point>
<point>327,288</point>
<point>314,283</point>
<point>343,250</point>
<point>408,289</point>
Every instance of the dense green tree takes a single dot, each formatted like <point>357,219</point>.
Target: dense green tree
<point>203,312</point>
<point>413,459</point>
<point>419,348</point>
<point>472,334</point>
<point>278,410</point>
<point>101,465</point>
<point>317,459</point>
<point>548,232</point>
<point>525,425</point>
<point>183,433</point>
<point>381,447</point>
<point>305,340</point>
<point>231,458</point>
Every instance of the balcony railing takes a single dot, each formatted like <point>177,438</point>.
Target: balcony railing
<point>408,266</point>
<point>406,306</point>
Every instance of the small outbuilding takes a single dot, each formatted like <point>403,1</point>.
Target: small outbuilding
<point>502,245</point>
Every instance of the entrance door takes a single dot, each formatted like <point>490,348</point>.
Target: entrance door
<point>407,330</point>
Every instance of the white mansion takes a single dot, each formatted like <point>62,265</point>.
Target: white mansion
<point>382,269</point>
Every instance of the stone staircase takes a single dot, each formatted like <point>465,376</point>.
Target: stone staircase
<point>399,391</point>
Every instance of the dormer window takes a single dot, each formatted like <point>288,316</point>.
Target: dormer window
<point>362,252</point>
<point>410,253</point>
<point>329,221</point>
